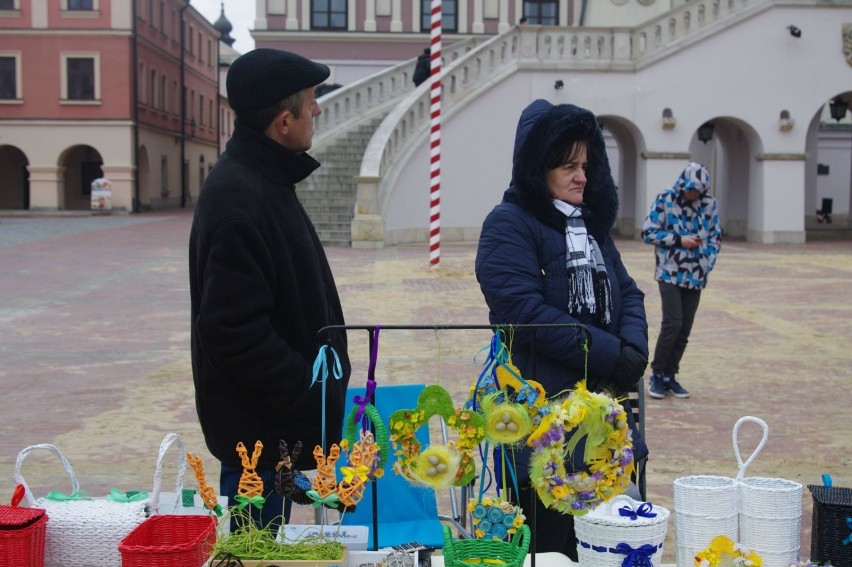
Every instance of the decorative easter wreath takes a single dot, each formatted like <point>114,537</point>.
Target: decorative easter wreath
<point>608,454</point>
<point>437,466</point>
<point>350,435</point>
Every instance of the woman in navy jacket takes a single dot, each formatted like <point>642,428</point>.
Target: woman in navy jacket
<point>546,257</point>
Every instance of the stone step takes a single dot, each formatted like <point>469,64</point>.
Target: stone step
<point>327,219</point>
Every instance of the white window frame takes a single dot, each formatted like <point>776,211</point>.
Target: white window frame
<point>14,11</point>
<point>65,12</point>
<point>63,69</point>
<point>63,6</point>
<point>19,78</point>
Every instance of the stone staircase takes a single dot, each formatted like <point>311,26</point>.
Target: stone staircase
<point>329,194</point>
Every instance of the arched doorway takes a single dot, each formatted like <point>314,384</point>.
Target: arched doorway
<point>624,145</point>
<point>828,177</point>
<point>726,146</point>
<point>82,166</point>
<point>14,179</point>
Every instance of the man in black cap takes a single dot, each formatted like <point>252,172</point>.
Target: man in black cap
<point>260,284</point>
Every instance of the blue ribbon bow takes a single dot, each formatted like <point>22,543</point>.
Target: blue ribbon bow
<point>848,539</point>
<point>639,557</point>
<point>320,374</point>
<point>644,510</point>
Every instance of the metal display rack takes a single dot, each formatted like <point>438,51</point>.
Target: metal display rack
<point>324,337</point>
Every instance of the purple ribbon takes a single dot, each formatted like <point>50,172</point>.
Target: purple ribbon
<point>644,510</point>
<point>366,399</point>
<point>639,557</point>
<point>371,378</point>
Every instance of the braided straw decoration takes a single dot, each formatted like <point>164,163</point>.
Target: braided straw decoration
<point>351,494</point>
<point>207,493</point>
<point>366,451</point>
<point>325,481</point>
<point>251,484</point>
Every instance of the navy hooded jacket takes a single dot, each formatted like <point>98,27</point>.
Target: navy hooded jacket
<point>521,262</point>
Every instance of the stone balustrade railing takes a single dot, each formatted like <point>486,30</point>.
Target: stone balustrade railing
<point>348,105</point>
<point>411,117</point>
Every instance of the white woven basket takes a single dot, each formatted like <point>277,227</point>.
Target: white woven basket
<point>83,533</point>
<point>770,510</point>
<point>606,538</point>
<point>704,506</point>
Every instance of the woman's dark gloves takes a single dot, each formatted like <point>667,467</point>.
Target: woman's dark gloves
<point>629,368</point>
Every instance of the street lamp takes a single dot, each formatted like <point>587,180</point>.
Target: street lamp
<point>705,132</point>
<point>838,108</point>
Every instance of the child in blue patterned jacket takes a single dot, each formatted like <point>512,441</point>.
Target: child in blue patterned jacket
<point>683,226</point>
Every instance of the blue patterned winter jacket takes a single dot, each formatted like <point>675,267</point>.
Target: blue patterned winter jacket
<point>673,216</point>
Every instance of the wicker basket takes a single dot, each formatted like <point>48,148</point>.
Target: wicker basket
<point>830,527</point>
<point>704,507</point>
<point>770,509</point>
<point>82,532</point>
<point>169,541</point>
<point>467,552</point>
<point>22,534</point>
<point>620,529</point>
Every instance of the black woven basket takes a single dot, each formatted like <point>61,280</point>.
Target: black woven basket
<point>832,506</point>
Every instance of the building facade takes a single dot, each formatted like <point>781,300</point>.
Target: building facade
<point>743,86</point>
<point>357,38</point>
<point>120,89</point>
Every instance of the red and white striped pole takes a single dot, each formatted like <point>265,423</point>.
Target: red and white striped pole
<point>435,138</point>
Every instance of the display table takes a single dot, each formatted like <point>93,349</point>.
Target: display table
<point>541,560</point>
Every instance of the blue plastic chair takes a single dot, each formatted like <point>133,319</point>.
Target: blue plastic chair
<point>406,513</point>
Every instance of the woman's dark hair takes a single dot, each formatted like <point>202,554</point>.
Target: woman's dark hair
<point>566,147</point>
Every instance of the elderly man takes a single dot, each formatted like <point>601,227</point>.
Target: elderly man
<point>260,284</point>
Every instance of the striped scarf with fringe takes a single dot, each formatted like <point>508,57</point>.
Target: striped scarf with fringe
<point>588,281</point>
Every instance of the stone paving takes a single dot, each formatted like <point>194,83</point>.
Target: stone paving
<point>94,350</point>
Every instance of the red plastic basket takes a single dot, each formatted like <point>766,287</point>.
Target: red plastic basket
<point>169,541</point>
<point>22,536</point>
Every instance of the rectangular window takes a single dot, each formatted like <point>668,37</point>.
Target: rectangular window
<point>542,12</point>
<point>151,13</point>
<point>81,5</point>
<point>210,51</point>
<point>8,78</point>
<point>164,176</point>
<point>164,95</point>
<point>201,109</point>
<point>7,4</point>
<point>81,78</point>
<point>328,15</point>
<point>153,89</point>
<point>162,16</point>
<point>449,15</point>
<point>210,113</point>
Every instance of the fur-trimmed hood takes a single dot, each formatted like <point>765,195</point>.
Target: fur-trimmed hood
<point>540,126</point>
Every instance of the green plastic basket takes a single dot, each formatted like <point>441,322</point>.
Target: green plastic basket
<point>467,552</point>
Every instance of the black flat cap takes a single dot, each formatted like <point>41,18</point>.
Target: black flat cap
<point>262,77</point>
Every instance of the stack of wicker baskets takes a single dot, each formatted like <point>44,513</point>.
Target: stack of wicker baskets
<point>763,514</point>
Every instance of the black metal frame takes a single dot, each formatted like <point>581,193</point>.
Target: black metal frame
<point>324,336</point>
